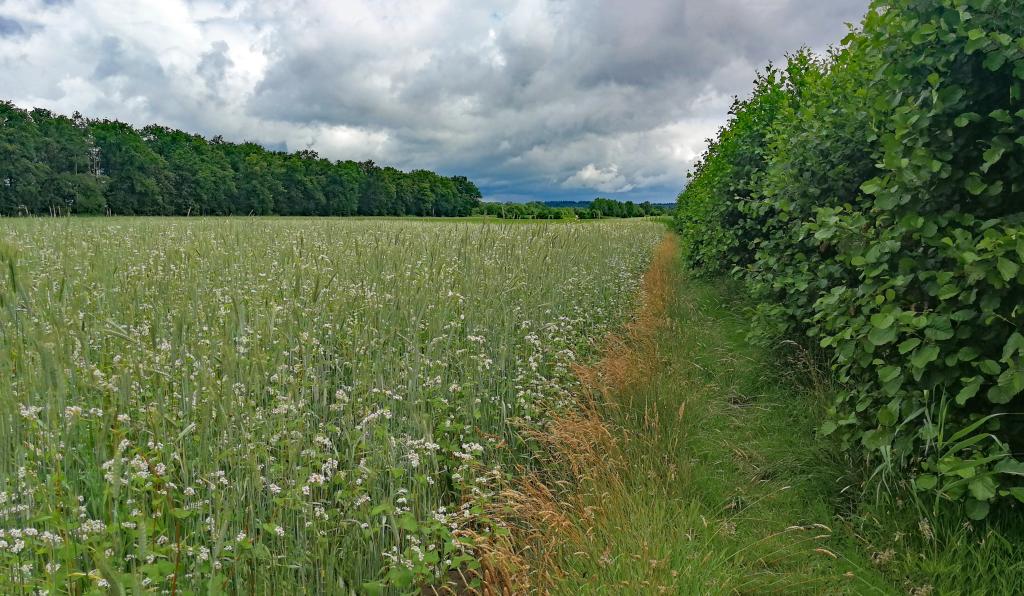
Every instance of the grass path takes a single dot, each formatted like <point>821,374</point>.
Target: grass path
<point>693,467</point>
<point>694,471</point>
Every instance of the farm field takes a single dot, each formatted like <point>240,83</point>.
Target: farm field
<point>497,298</point>
<point>253,405</point>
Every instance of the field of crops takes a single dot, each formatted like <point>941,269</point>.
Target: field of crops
<point>200,406</point>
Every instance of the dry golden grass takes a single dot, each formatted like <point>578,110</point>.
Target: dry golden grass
<point>630,354</point>
<point>553,509</point>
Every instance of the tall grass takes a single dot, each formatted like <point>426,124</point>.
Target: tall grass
<point>699,472</point>
<point>262,405</point>
<point>702,475</point>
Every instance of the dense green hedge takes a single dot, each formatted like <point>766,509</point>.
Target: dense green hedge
<point>872,199</point>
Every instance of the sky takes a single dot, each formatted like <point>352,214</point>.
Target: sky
<point>532,99</point>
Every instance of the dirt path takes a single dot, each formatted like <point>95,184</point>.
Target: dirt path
<point>689,467</point>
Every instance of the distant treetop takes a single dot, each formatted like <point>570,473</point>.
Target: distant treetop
<point>52,164</point>
<point>596,209</point>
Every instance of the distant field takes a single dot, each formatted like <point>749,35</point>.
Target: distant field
<point>209,405</point>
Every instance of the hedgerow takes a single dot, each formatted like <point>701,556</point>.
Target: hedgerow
<point>872,200</point>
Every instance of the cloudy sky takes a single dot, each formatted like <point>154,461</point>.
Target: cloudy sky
<point>548,99</point>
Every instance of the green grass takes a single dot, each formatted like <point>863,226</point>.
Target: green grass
<point>268,405</point>
<point>725,488</point>
<point>279,405</point>
<point>940,551</point>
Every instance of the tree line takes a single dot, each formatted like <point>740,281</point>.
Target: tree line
<point>54,164</point>
<point>597,209</point>
<point>873,201</point>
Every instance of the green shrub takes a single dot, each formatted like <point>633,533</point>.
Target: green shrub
<point>711,220</point>
<point>877,209</point>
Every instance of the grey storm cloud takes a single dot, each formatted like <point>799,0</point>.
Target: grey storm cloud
<point>14,28</point>
<point>530,98</point>
<point>113,60</point>
<point>213,67</point>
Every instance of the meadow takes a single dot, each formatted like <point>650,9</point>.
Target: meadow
<point>265,405</point>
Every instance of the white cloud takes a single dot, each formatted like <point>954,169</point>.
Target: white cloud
<point>543,98</point>
<point>603,179</point>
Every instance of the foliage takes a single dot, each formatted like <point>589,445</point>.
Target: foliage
<point>54,164</point>
<point>725,180</point>
<point>596,209</point>
<point>872,200</point>
<point>46,162</point>
<point>210,406</point>
<point>531,210</point>
<point>716,480</point>
<point>601,207</point>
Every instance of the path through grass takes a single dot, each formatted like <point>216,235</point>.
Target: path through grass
<point>710,481</point>
<point>695,469</point>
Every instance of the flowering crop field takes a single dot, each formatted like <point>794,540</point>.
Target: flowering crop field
<point>258,405</point>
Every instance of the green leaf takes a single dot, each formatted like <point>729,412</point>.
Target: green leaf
<point>880,337</point>
<point>970,390</point>
<point>909,345</point>
<point>976,510</point>
<point>892,387</point>
<point>964,119</point>
<point>983,487</point>
<point>827,428</point>
<point>408,523</point>
<point>1001,116</point>
<point>1007,268</point>
<point>948,291</point>
<point>923,356</point>
<point>994,61</point>
<point>1002,394</point>
<point>886,417</point>
<point>975,44</point>
<point>1003,39</point>
<point>882,320</point>
<point>926,482</point>
<point>877,438</point>
<point>886,200</point>
<point>400,578</point>
<point>991,157</point>
<point>871,186</point>
<point>975,185</point>
<point>1014,345</point>
<point>1010,466</point>
<point>888,373</point>
<point>968,353</point>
